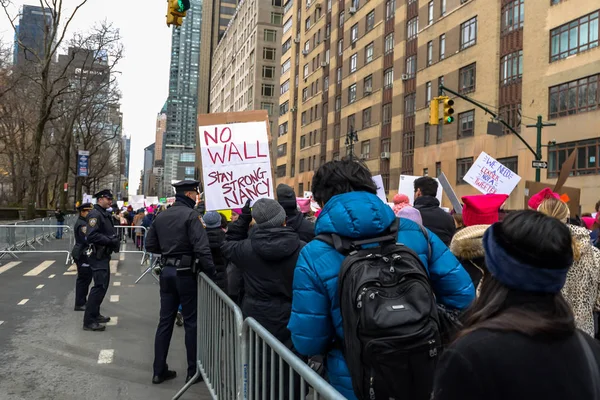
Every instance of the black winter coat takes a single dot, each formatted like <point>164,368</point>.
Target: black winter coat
<point>304,228</point>
<point>435,219</point>
<point>216,238</point>
<point>267,260</point>
<point>494,365</point>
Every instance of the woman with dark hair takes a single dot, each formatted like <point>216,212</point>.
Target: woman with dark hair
<point>519,339</point>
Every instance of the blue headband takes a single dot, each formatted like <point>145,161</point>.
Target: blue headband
<point>520,274</point>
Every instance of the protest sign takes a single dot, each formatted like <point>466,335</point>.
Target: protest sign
<point>407,187</point>
<point>150,200</point>
<point>120,204</point>
<point>236,164</point>
<point>170,200</point>
<point>450,193</point>
<point>378,180</point>
<point>88,198</point>
<point>308,195</point>
<point>488,175</point>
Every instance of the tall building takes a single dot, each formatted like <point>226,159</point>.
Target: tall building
<point>245,64</point>
<point>161,127</point>
<point>367,71</point>
<point>126,155</point>
<point>35,24</point>
<point>147,172</point>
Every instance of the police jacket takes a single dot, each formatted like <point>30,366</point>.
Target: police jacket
<point>78,251</point>
<point>179,231</point>
<point>101,230</point>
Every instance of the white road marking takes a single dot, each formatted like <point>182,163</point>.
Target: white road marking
<point>39,286</point>
<point>113,321</point>
<point>116,283</point>
<point>130,285</point>
<point>8,266</point>
<point>118,274</point>
<point>113,266</point>
<point>51,276</point>
<point>114,298</point>
<point>106,356</point>
<point>40,268</point>
<point>1,322</point>
<point>72,268</point>
<point>70,273</point>
<point>122,256</point>
<point>22,302</point>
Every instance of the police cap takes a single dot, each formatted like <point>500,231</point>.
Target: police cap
<point>85,207</point>
<point>104,193</point>
<point>189,185</point>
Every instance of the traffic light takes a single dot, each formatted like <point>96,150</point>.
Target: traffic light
<point>434,111</point>
<point>126,186</point>
<point>177,11</point>
<point>448,111</point>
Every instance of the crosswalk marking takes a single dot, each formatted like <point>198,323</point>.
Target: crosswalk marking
<point>106,356</point>
<point>116,283</point>
<point>39,286</point>
<point>122,256</point>
<point>22,302</point>
<point>113,321</point>
<point>70,273</point>
<point>72,268</point>
<point>118,274</point>
<point>113,266</point>
<point>114,298</point>
<point>51,276</point>
<point>40,268</point>
<point>8,266</point>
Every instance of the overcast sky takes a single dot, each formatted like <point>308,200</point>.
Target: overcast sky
<point>145,69</point>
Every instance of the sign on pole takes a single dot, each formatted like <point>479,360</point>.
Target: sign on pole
<point>539,164</point>
<point>407,187</point>
<point>488,175</point>
<point>236,164</point>
<point>450,193</point>
<point>83,158</point>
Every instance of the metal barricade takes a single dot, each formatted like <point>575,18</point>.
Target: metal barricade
<point>272,371</point>
<point>220,343</point>
<point>131,242</point>
<point>24,238</point>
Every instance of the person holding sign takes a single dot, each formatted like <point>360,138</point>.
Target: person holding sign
<point>434,218</point>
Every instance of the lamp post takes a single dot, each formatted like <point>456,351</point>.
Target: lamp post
<point>351,138</point>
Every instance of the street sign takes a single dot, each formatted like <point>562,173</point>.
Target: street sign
<point>539,164</point>
<point>83,163</point>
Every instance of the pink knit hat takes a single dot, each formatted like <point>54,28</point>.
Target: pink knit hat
<point>304,205</point>
<point>482,209</point>
<point>400,201</point>
<point>535,200</point>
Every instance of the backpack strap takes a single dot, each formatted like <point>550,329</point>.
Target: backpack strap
<point>341,245</point>
<point>346,246</point>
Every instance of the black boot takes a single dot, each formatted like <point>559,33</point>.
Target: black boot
<point>168,375</point>
<point>80,308</point>
<point>102,319</point>
<point>94,326</point>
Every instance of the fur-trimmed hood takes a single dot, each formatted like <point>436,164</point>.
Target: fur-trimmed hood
<point>467,244</point>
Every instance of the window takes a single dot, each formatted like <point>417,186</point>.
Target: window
<point>267,106</point>
<point>301,167</point>
<point>284,108</point>
<point>462,167</point>
<point>411,66</point>
<point>386,112</point>
<point>285,86</point>
<point>410,105</point>
<point>440,132</point>
<point>268,53</point>
<point>341,19</point>
<point>352,93</point>
<point>304,94</point>
<point>426,135</point>
<point>370,21</point>
<point>338,103</point>
<point>389,43</point>
<point>586,162</point>
<point>307,45</point>
<point>288,25</point>
<point>511,68</point>
<point>268,90</point>
<point>440,81</point>
<point>429,53</point>
<point>354,33</point>
<point>574,97</point>
<point>574,37</point>
<point>390,8</point>
<point>276,18</point>
<point>286,46</point>
<point>340,46</point>
<point>189,171</point>
<point>438,169</point>
<point>327,31</point>
<point>511,114</point>
<point>365,149</point>
<point>270,35</point>
<point>468,33</point>
<point>283,129</point>
<point>305,70</point>
<point>511,163</point>
<point>351,122</point>
<point>385,145</point>
<point>513,15</point>
<point>466,79</point>
<point>430,13</point>
<point>466,124</point>
<point>412,28</point>
<point>369,52</point>
<point>281,170</point>
<point>268,72</point>
<point>368,85</point>
<point>288,6</point>
<point>388,78</point>
<point>338,73</point>
<point>326,84</point>
<point>277,3</point>
<point>303,118</point>
<point>442,8</point>
<point>306,24</point>
<point>302,143</point>
<point>353,62</point>
<point>285,67</point>
<point>282,150</point>
<point>366,118</point>
<point>442,46</point>
<point>427,93</point>
<point>187,157</point>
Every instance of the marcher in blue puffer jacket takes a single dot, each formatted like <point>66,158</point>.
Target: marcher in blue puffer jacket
<point>357,213</point>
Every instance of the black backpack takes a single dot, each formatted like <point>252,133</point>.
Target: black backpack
<point>390,319</point>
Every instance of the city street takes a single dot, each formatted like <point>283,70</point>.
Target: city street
<point>47,355</point>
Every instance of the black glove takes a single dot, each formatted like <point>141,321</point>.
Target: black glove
<point>115,244</point>
<point>246,212</point>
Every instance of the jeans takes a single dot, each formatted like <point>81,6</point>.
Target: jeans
<point>59,230</point>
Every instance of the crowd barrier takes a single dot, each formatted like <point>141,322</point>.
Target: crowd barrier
<point>31,238</point>
<point>131,234</point>
<point>241,360</point>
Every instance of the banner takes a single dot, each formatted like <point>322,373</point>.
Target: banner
<point>151,200</point>
<point>407,187</point>
<point>136,201</point>
<point>83,158</point>
<point>236,164</point>
<point>170,200</point>
<point>488,175</point>
<point>378,180</point>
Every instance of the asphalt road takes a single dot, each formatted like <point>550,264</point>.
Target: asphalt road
<point>44,352</point>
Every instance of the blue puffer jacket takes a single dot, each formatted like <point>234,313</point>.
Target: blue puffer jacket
<point>316,318</point>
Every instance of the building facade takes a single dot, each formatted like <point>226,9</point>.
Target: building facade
<point>35,24</point>
<point>147,172</point>
<point>161,127</point>
<point>363,74</point>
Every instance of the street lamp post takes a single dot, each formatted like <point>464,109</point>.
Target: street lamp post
<point>351,138</point>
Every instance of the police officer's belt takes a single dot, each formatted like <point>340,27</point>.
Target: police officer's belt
<point>171,262</point>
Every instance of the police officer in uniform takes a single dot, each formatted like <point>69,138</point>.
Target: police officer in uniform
<point>84,272</point>
<point>103,241</point>
<point>178,235</point>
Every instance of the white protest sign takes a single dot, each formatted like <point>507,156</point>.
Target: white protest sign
<point>407,187</point>
<point>150,200</point>
<point>120,204</point>
<point>136,201</point>
<point>488,175</point>
<point>236,165</point>
<point>88,198</point>
<point>170,200</point>
<point>378,180</point>
<point>308,195</point>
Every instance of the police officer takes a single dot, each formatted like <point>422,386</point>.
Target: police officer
<point>103,240</point>
<point>179,236</point>
<point>84,272</point>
